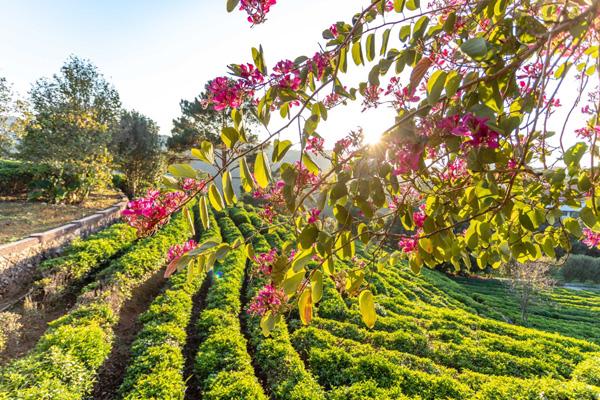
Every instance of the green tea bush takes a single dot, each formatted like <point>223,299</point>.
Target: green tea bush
<point>82,257</point>
<point>581,268</point>
<point>64,362</point>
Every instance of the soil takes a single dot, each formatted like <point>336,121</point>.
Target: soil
<point>20,218</point>
<point>112,372</point>
<point>193,341</point>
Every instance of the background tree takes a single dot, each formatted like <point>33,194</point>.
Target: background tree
<point>72,115</point>
<point>137,151</point>
<point>527,280</point>
<point>13,116</point>
<point>200,122</point>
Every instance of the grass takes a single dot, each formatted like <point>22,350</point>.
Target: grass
<point>20,218</point>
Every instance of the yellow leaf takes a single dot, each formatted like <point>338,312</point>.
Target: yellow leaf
<point>367,308</point>
<point>305,306</point>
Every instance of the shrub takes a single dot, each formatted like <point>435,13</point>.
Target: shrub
<point>581,268</point>
<point>588,371</point>
<point>64,362</point>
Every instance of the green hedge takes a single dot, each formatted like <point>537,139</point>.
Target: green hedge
<point>157,362</point>
<point>83,257</point>
<point>223,366</point>
<point>64,362</point>
<point>285,373</point>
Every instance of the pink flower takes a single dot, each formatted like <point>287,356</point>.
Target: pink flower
<point>225,92</point>
<point>251,74</point>
<point>314,144</point>
<point>334,30</point>
<point>408,157</point>
<point>371,97</point>
<point>286,75</point>
<point>149,213</point>
<point>408,245</point>
<point>192,185</point>
<point>256,9</point>
<point>314,215</point>
<point>265,261</point>
<point>320,62</point>
<point>456,169</point>
<point>269,298</point>
<point>592,239</point>
<point>472,127</point>
<point>420,216</point>
<point>175,253</point>
<point>177,250</point>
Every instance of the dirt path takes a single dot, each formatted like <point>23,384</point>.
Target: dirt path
<point>193,341</point>
<point>111,373</point>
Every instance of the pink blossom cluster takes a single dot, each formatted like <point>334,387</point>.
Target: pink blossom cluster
<point>472,127</point>
<point>305,177</point>
<point>192,185</point>
<point>269,298</point>
<point>257,9</point>
<point>332,100</point>
<point>286,75</point>
<point>334,30</point>
<point>314,144</point>
<point>273,193</point>
<point>314,215</point>
<point>371,97</point>
<point>456,169</point>
<point>268,213</point>
<point>149,213</point>
<point>264,262</point>
<point>592,239</point>
<point>419,216</point>
<point>588,132</point>
<point>320,62</point>
<point>225,92</point>
<point>408,245</point>
<point>402,95</point>
<point>176,251</point>
<point>408,157</point>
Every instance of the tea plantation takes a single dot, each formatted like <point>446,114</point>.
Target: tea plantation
<point>435,337</point>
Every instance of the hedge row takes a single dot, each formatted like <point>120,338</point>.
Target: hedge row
<point>64,362</point>
<point>156,366</point>
<point>285,374</point>
<point>82,257</point>
<point>223,366</point>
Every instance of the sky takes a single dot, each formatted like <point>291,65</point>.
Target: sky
<point>158,52</point>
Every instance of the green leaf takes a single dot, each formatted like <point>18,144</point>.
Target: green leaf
<point>574,154</point>
<point>258,58</point>
<point>370,47</point>
<point>182,171</point>
<point>230,136</point>
<point>228,192</point>
<point>246,176</point>
<point>357,56</point>
<point>413,4</point>
<point>435,85</point>
<point>310,164</point>
<point>305,306</point>
<point>404,32</point>
<point>384,43</point>
<point>268,322</point>
<point>205,153</point>
<point>189,219</point>
<point>291,281</point>
<point>587,216</point>
<point>367,308</point>
<point>420,27</point>
<point>280,148</point>
<point>453,80</point>
<point>475,48</point>
<point>310,126</point>
<point>204,213</point>
<point>262,170</point>
<point>526,222</point>
<point>573,226</point>
<point>214,196</point>
<point>399,5</point>
<point>308,236</point>
<point>316,282</point>
<point>232,4</point>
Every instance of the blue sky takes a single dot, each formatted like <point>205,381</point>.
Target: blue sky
<point>157,52</point>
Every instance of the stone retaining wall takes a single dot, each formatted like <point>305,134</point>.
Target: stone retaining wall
<point>18,260</point>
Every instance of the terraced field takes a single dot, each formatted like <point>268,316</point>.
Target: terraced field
<point>132,334</point>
